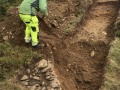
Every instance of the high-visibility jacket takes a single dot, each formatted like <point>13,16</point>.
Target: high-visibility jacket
<point>30,7</point>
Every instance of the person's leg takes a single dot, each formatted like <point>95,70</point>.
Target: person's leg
<point>27,20</point>
<point>28,34</point>
<point>34,30</point>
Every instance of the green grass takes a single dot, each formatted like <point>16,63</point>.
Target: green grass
<point>8,86</point>
<point>4,6</point>
<point>13,58</point>
<point>112,75</point>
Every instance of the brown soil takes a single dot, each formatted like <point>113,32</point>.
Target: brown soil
<point>79,58</point>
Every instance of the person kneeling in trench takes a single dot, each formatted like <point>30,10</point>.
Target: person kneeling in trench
<point>27,12</point>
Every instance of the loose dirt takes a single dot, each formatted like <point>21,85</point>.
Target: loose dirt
<point>79,59</point>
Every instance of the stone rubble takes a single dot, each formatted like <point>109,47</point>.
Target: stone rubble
<point>41,76</point>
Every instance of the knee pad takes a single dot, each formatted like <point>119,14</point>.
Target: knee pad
<point>33,29</point>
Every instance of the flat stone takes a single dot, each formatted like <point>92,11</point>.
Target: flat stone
<point>55,83</point>
<point>43,88</point>
<point>50,78</point>
<point>42,64</point>
<point>25,83</point>
<point>25,77</point>
<point>37,78</point>
<point>47,68</point>
<point>50,73</point>
<point>35,87</point>
<point>3,28</point>
<point>5,38</point>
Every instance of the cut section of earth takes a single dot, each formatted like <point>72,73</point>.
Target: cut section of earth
<point>78,58</point>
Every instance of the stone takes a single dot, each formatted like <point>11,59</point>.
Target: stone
<point>5,38</point>
<point>92,54</point>
<point>57,88</point>
<point>42,45</point>
<point>105,33</point>
<point>48,73</point>
<point>47,44</point>
<point>12,37</point>
<point>31,76</point>
<point>54,48</point>
<point>50,78</point>
<point>25,83</point>
<point>51,52</point>
<point>43,63</point>
<point>3,28</point>
<point>35,87</point>
<point>36,70</point>
<point>47,68</point>
<point>38,88</point>
<point>36,78</point>
<point>10,33</point>
<point>25,77</point>
<point>28,70</point>
<point>43,83</point>
<point>43,88</point>
<point>54,84</point>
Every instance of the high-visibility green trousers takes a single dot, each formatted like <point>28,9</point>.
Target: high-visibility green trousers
<point>32,28</point>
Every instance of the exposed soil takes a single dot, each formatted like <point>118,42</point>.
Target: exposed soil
<point>80,58</point>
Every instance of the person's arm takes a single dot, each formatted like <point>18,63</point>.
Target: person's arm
<point>43,7</point>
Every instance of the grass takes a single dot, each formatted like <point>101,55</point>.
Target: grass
<point>13,58</point>
<point>5,4</point>
<point>79,13</point>
<point>112,75</point>
<point>8,86</point>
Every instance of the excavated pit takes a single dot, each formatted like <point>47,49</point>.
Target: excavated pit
<point>78,59</point>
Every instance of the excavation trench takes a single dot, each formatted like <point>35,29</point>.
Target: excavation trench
<point>80,59</point>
